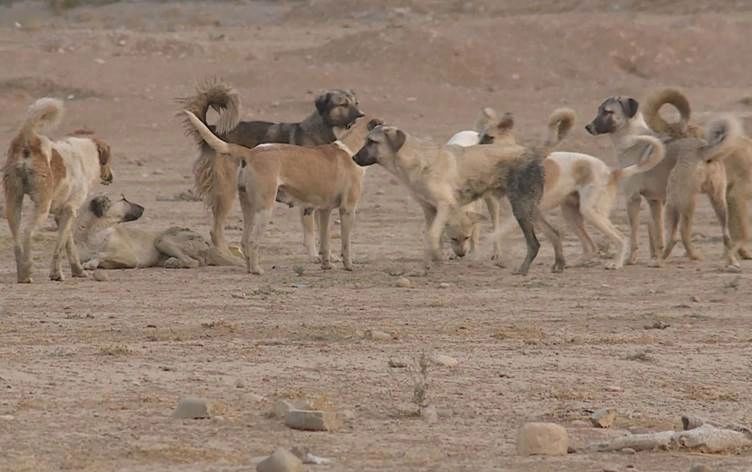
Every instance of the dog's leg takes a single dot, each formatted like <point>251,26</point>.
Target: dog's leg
<point>77,270</point>
<point>255,223</point>
<point>717,196</point>
<point>433,235</point>
<point>552,234</point>
<point>41,212</point>
<point>493,205</point>
<point>524,211</point>
<point>672,225</point>
<point>658,237</point>
<point>686,217</point>
<point>738,220</point>
<point>347,218</point>
<point>574,219</point>
<point>633,215</point>
<point>172,249</point>
<point>65,221</point>
<point>307,219</point>
<point>324,250</point>
<point>225,186</point>
<point>588,204</point>
<point>14,204</point>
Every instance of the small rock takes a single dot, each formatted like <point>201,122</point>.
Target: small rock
<point>239,384</point>
<point>7,417</point>
<point>547,439</point>
<point>281,460</point>
<point>191,407</point>
<point>404,282</point>
<point>446,361</point>
<point>312,420</point>
<point>610,468</point>
<point>377,335</point>
<point>658,325</point>
<point>101,276</point>
<point>603,418</point>
<point>283,407</point>
<point>614,389</point>
<point>629,450</point>
<point>100,61</point>
<point>444,285</point>
<point>429,414</point>
<point>695,299</point>
<point>395,364</point>
<point>699,468</point>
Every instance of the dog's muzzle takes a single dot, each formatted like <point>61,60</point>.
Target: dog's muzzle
<point>590,128</point>
<point>362,159</point>
<point>134,212</point>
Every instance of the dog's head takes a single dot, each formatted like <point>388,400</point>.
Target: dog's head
<point>111,212</point>
<point>105,161</point>
<point>338,108</point>
<point>493,129</point>
<point>613,114</point>
<point>355,137</point>
<point>382,146</point>
<point>459,230</point>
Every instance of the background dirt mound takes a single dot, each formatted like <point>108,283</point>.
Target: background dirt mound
<point>35,87</point>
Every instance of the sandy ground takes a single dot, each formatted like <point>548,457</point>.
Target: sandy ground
<point>91,371</point>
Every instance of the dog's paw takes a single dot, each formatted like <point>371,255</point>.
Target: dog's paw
<point>732,269</point>
<point>694,256</point>
<point>656,263</point>
<point>56,276</point>
<point>91,264</point>
<point>558,267</point>
<point>256,270</point>
<point>745,254</point>
<point>613,266</point>
<point>24,280</point>
<point>632,259</point>
<point>326,265</point>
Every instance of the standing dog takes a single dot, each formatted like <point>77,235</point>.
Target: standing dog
<point>444,180</point>
<point>57,176</point>
<point>691,166</point>
<point>216,179</point>
<point>320,177</point>
<point>105,243</point>
<point>738,163</point>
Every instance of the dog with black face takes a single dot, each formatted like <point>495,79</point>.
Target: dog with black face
<point>444,180</point>
<point>216,179</point>
<point>690,166</point>
<point>106,243</point>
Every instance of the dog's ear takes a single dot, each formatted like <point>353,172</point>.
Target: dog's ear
<point>396,138</point>
<point>322,102</point>
<point>506,122</point>
<point>629,105</point>
<point>489,112</point>
<point>374,123</point>
<point>352,94</point>
<point>99,205</point>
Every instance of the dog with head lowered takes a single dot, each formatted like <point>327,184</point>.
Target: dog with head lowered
<point>216,178</point>
<point>57,176</point>
<point>319,177</point>
<point>444,180</point>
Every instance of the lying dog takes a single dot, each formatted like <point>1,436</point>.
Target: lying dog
<point>691,166</point>
<point>320,177</point>
<point>216,179</point>
<point>105,243</point>
<point>738,163</point>
<point>583,186</point>
<point>57,176</point>
<point>444,180</point>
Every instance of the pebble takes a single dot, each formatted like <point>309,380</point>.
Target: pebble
<point>404,282</point>
<point>695,299</point>
<point>547,439</point>
<point>192,407</point>
<point>377,335</point>
<point>629,450</point>
<point>444,285</point>
<point>429,414</point>
<point>444,360</point>
<point>603,418</point>
<point>7,417</point>
<point>283,407</point>
<point>312,420</point>
<point>281,460</point>
<point>699,468</point>
<point>101,276</point>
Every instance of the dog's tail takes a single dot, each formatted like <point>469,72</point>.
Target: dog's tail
<point>722,136</point>
<point>654,154</point>
<point>560,123</point>
<point>654,120</point>
<point>43,115</point>
<point>206,135</point>
<point>215,94</point>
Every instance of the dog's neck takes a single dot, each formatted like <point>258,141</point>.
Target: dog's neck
<point>314,125</point>
<point>89,229</point>
<point>635,126</point>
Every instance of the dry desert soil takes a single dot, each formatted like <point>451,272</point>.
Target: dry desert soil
<point>90,372</point>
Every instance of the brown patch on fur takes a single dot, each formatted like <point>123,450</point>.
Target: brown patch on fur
<point>582,173</point>
<point>57,166</point>
<point>552,172</point>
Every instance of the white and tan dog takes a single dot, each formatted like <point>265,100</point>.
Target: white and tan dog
<point>57,176</point>
<point>105,243</point>
<point>320,177</point>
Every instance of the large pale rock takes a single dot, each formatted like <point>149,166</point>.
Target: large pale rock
<point>192,408</point>
<point>281,460</point>
<point>312,420</point>
<point>547,439</point>
<point>603,418</point>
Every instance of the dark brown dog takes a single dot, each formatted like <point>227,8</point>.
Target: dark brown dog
<point>216,179</point>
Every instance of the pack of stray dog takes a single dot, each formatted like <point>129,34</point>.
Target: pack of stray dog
<point>319,164</point>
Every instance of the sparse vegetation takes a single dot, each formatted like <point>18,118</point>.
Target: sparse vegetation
<point>115,350</point>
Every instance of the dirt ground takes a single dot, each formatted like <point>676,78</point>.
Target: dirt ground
<point>90,372</point>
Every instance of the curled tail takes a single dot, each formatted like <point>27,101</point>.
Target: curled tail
<point>215,94</point>
<point>653,155</point>
<point>560,123</point>
<point>206,135</point>
<point>43,115</point>
<point>722,136</point>
<point>651,112</point>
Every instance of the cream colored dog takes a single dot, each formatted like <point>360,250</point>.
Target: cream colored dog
<point>57,176</point>
<point>105,243</point>
<point>319,177</point>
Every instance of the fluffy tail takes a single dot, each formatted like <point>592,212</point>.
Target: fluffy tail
<point>654,154</point>
<point>43,115</point>
<point>722,136</point>
<point>205,134</point>
<point>653,104</point>
<point>560,123</point>
<point>213,93</point>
